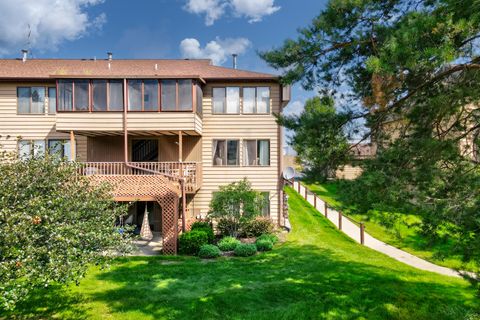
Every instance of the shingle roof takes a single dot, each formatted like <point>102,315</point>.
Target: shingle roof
<point>62,68</point>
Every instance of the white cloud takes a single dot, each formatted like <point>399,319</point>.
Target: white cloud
<point>49,23</point>
<point>217,50</point>
<point>253,10</point>
<point>213,9</point>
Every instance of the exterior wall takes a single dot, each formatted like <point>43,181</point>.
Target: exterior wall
<point>348,172</point>
<point>240,126</point>
<point>28,126</point>
<point>136,121</point>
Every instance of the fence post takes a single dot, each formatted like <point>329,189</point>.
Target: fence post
<point>298,186</point>
<point>315,201</point>
<point>325,209</point>
<point>339,220</point>
<point>362,233</point>
<point>306,194</point>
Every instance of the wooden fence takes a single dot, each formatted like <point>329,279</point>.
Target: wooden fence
<point>354,229</point>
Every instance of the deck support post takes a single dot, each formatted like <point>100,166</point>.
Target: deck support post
<point>73,149</point>
<point>182,180</point>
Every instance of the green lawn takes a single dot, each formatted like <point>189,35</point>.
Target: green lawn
<point>405,234</point>
<point>318,273</point>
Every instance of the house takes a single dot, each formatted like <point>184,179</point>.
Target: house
<point>165,133</point>
<point>352,170</point>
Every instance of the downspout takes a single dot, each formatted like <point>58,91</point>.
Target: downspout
<point>129,165</point>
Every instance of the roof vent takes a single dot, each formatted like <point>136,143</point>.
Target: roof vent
<point>110,56</point>
<point>156,66</point>
<point>234,56</point>
<point>24,55</point>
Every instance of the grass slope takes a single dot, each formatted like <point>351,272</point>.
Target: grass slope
<point>318,273</point>
<point>405,235</point>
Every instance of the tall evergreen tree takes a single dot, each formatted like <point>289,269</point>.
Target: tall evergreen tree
<point>411,70</point>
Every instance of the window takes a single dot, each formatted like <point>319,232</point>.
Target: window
<point>99,88</point>
<point>81,96</point>
<point>134,95</point>
<point>185,95</point>
<point>263,100</point>
<point>30,148</point>
<point>226,100</point>
<point>219,100</point>
<point>169,92</point>
<point>31,100</point>
<point>233,100</point>
<point>65,95</point>
<point>256,100</point>
<point>60,148</point>
<point>199,99</point>
<point>225,153</point>
<point>266,204</point>
<point>150,95</point>
<point>256,152</point>
<point>115,95</point>
<point>52,100</point>
<point>249,100</point>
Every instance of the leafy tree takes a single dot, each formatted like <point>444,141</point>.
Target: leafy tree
<point>53,225</point>
<point>410,70</point>
<point>234,204</point>
<point>318,139</point>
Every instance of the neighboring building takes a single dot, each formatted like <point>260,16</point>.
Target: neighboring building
<point>353,170</point>
<point>166,133</point>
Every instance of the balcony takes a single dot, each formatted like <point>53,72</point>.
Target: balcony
<point>190,171</point>
<point>98,123</point>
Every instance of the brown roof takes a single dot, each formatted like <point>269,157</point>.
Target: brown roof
<point>64,68</point>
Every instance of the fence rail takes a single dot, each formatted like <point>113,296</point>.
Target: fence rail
<point>190,171</point>
<point>354,229</point>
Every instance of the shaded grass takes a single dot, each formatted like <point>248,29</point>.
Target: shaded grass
<point>405,234</point>
<point>318,273</point>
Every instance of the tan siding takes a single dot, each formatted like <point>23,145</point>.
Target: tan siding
<point>13,125</point>
<point>239,127</point>
<point>136,121</point>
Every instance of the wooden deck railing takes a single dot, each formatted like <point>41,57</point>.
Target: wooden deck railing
<point>190,171</point>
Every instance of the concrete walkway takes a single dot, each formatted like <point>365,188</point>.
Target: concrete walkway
<point>353,231</point>
<point>148,247</point>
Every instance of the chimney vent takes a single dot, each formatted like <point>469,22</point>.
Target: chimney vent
<point>234,56</point>
<point>110,56</point>
<point>24,55</point>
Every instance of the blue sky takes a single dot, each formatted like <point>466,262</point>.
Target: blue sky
<point>156,29</point>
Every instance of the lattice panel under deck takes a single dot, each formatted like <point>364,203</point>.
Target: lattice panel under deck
<point>156,187</point>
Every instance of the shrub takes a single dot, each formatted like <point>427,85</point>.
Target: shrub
<point>209,251</point>
<point>206,227</point>
<point>228,244</point>
<point>235,202</point>
<point>245,250</point>
<point>264,245</point>
<point>268,236</point>
<point>201,225</point>
<point>190,242</point>
<point>256,227</point>
<point>227,227</point>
